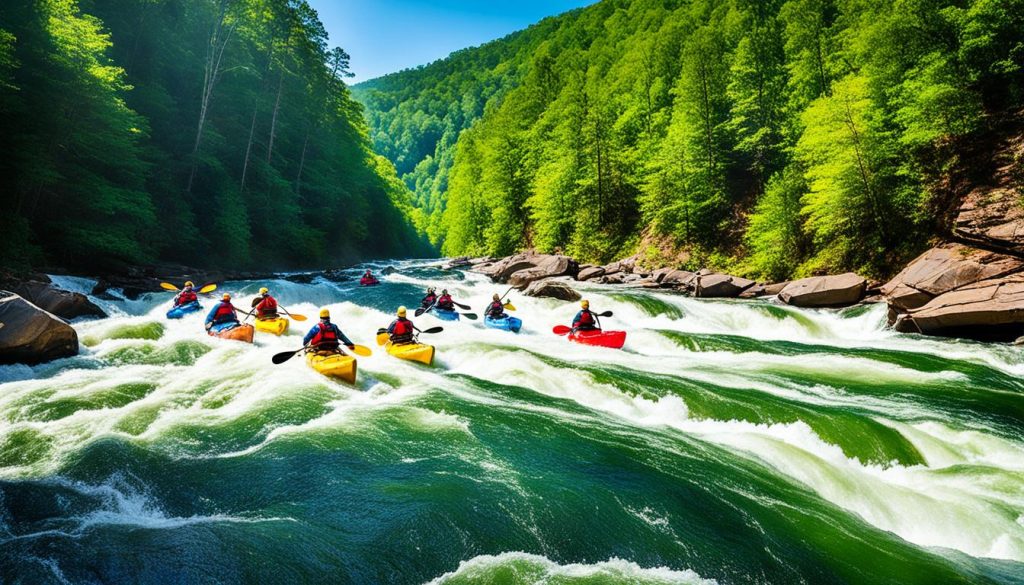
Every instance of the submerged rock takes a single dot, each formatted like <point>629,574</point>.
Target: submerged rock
<point>30,335</point>
<point>552,289</point>
<point>825,291</point>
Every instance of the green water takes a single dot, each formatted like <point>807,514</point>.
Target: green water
<point>729,442</point>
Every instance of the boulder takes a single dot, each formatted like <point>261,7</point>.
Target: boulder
<point>553,289</point>
<point>502,269</point>
<point>753,292</point>
<point>305,278</point>
<point>30,335</point>
<point>943,269</point>
<point>991,310</point>
<point>544,267</point>
<point>335,275</point>
<point>590,272</point>
<point>62,303</point>
<point>825,291</point>
<point>991,213</point>
<point>774,288</point>
<point>679,279</point>
<point>388,270</point>
<point>722,286</point>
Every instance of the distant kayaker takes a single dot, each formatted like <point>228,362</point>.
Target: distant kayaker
<point>221,313</point>
<point>496,310</point>
<point>401,329</point>
<point>585,320</point>
<point>265,305</point>
<point>430,299</point>
<point>368,278</point>
<point>326,337</point>
<point>186,295</point>
<point>445,301</point>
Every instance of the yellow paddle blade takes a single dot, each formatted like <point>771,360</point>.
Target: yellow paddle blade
<point>168,286</point>
<point>296,317</point>
<point>362,350</point>
<point>510,307</point>
<point>208,289</point>
<point>382,338</point>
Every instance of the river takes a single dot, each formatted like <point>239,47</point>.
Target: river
<point>729,442</point>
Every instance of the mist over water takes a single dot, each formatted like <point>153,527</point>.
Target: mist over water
<point>729,442</point>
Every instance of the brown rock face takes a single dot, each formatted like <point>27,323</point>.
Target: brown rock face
<point>991,309</point>
<point>992,215</point>
<point>943,269</point>
<point>64,304</point>
<point>590,272</point>
<point>825,291</point>
<point>552,289</point>
<point>544,267</point>
<point>30,335</point>
<point>722,286</point>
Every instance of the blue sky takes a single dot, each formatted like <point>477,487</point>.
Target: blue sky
<point>383,36</point>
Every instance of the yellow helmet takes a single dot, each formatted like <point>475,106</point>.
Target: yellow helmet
<point>264,290</point>
<point>226,296</point>
<point>189,283</point>
<point>401,311</point>
<point>585,304</point>
<point>325,314</point>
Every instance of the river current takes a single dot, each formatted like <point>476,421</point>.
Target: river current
<point>728,442</point>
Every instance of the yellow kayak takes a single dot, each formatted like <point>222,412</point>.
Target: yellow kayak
<point>336,365</point>
<point>415,352</point>
<point>277,325</point>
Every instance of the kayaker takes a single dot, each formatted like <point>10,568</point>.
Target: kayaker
<point>222,312</point>
<point>326,337</point>
<point>496,310</point>
<point>445,301</point>
<point>186,295</point>
<point>401,329</point>
<point>429,300</point>
<point>367,278</point>
<point>265,305</point>
<point>585,320</point>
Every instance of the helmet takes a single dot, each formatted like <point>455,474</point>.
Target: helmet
<point>496,297</point>
<point>226,296</point>
<point>401,311</point>
<point>325,314</point>
<point>189,283</point>
<point>585,304</point>
<point>264,290</point>
<point>444,292</point>
<point>431,289</point>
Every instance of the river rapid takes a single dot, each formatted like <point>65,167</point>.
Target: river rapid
<point>729,442</point>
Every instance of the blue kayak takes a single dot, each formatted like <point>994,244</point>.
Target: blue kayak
<point>505,323</point>
<point>445,315</point>
<point>181,311</point>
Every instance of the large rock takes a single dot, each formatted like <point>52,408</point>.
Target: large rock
<point>552,289</point>
<point>825,291</point>
<point>680,279</point>
<point>722,286</point>
<point>992,214</point>
<point>943,269</point>
<point>500,271</point>
<point>64,304</point>
<point>991,309</point>
<point>544,267</point>
<point>590,272</point>
<point>30,335</point>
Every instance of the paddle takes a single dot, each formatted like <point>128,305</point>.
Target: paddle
<point>294,316</point>
<point>470,316</point>
<point>429,331</point>
<point>284,356</point>
<point>510,307</point>
<point>563,330</point>
<point>421,310</point>
<point>461,306</point>
<point>207,288</point>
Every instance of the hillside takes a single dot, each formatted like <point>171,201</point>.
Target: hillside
<point>210,132</point>
<point>773,139</point>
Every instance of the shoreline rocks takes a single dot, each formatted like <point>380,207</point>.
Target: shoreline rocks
<point>30,335</point>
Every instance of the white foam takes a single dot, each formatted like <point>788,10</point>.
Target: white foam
<point>543,570</point>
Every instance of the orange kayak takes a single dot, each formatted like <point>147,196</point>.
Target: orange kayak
<point>237,332</point>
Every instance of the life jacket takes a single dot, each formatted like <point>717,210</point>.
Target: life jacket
<point>445,302</point>
<point>325,339</point>
<point>267,308</point>
<point>586,320</point>
<point>428,300</point>
<point>401,330</point>
<point>496,310</point>
<point>187,296</point>
<point>225,313</point>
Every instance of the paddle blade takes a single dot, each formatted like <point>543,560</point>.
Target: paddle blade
<point>510,307</point>
<point>208,288</point>
<point>382,338</point>
<point>168,286</point>
<point>470,316</point>
<point>284,356</point>
<point>419,312</point>
<point>362,350</point>
<point>605,314</point>
<point>297,317</point>
<point>255,302</point>
<point>433,330</point>
<point>461,306</point>
<point>561,330</point>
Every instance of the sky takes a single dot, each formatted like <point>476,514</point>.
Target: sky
<point>384,36</point>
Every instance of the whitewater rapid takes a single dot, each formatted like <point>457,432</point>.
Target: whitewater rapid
<point>914,437</point>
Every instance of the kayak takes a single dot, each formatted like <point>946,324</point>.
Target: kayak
<point>445,315</point>
<point>182,310</point>
<point>335,365</point>
<point>277,325</point>
<point>368,282</point>
<point>512,324</point>
<point>414,352</point>
<point>235,331</point>
<point>612,339</point>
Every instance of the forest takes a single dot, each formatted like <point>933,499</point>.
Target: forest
<point>773,138</point>
<point>217,133</point>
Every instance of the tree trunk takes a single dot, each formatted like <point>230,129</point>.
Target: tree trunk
<point>273,118</point>
<point>211,73</point>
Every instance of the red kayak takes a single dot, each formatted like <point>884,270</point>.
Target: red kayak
<point>368,281</point>
<point>612,339</point>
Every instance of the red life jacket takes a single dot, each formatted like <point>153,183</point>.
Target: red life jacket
<point>401,330</point>
<point>187,296</point>
<point>225,313</point>
<point>586,319</point>
<point>325,337</point>
<point>267,307</point>
<point>445,302</point>
<point>428,300</point>
<point>496,310</point>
